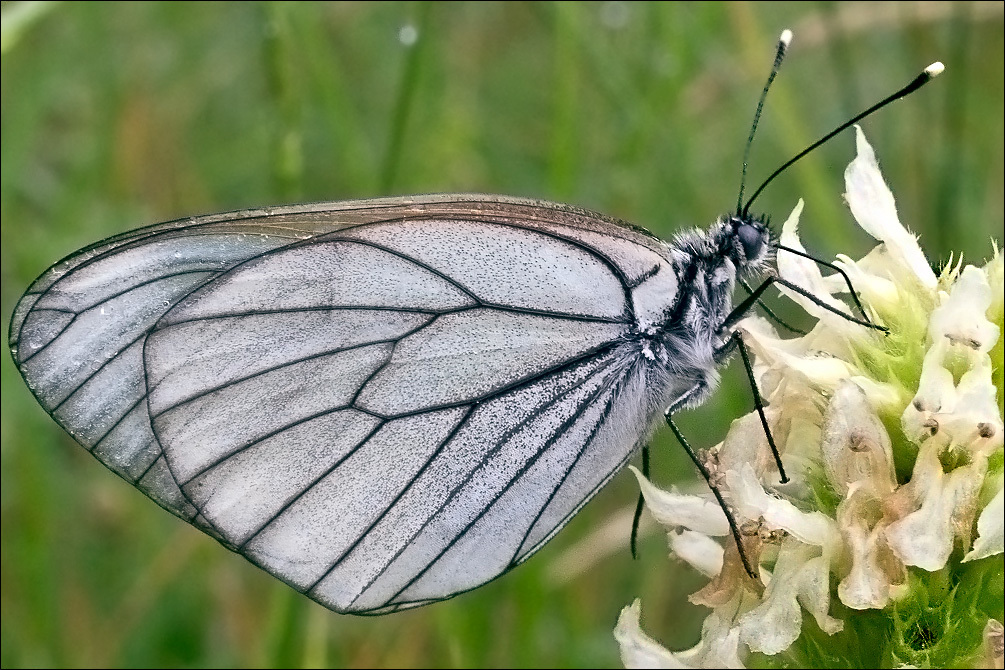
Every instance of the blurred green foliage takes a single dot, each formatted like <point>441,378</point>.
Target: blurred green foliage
<point>119,114</point>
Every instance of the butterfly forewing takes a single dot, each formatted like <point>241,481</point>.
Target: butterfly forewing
<point>383,403</point>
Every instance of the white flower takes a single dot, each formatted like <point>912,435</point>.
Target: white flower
<point>872,205</point>
<point>718,648</point>
<point>690,520</point>
<point>800,577</point>
<point>962,317</point>
<point>946,508</point>
<point>803,272</point>
<point>752,502</point>
<point>990,529</point>
<point>697,550</point>
<point>849,409</point>
<point>678,510</point>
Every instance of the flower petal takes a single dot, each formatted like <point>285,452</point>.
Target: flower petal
<point>994,270</point>
<point>962,316</point>
<point>816,368</point>
<point>801,575</point>
<point>638,650</point>
<point>676,510</point>
<point>719,646</point>
<point>745,443</point>
<point>875,290</point>
<point>752,502</point>
<point>802,271</point>
<point>873,206</point>
<point>814,593</point>
<point>697,550</point>
<point>936,391</point>
<point>773,626</point>
<point>924,538</point>
<point>990,530</point>
<point>975,420</point>
<point>875,573</point>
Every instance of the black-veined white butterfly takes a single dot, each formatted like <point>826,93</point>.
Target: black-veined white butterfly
<point>381,402</point>
<point>386,402</point>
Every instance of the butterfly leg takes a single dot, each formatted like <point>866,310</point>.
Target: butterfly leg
<point>639,504</point>
<point>844,275</point>
<point>735,341</point>
<point>771,315</point>
<point>697,390</point>
<point>741,310</point>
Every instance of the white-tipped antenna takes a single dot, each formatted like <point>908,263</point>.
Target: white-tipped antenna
<point>783,45</point>
<point>929,73</point>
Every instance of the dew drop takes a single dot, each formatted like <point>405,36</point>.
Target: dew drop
<point>408,34</point>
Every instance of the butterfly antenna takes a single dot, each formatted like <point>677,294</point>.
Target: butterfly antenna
<point>783,44</point>
<point>929,73</point>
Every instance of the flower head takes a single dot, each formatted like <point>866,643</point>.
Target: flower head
<point>894,445</point>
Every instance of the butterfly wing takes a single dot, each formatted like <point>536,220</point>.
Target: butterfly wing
<point>382,403</point>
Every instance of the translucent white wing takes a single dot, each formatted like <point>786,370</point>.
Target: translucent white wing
<point>382,403</point>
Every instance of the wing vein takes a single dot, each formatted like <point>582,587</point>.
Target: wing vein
<point>439,448</point>
<point>279,366</point>
<point>97,370</point>
<point>484,459</point>
<point>586,444</point>
<point>307,488</point>
<point>603,258</point>
<point>104,301</point>
<point>598,350</point>
<point>563,427</point>
<point>405,257</point>
<point>116,423</point>
<point>628,317</point>
<point>303,310</point>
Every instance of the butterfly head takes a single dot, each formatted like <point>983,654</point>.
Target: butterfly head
<point>746,241</point>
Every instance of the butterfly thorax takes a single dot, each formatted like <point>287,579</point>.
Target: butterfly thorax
<point>707,264</point>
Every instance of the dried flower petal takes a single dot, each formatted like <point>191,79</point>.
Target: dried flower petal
<point>994,645</point>
<point>856,447</point>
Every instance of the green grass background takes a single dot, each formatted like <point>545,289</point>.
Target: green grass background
<point>116,115</point>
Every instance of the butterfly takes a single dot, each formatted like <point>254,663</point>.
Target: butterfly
<point>380,402</point>
<point>387,402</point>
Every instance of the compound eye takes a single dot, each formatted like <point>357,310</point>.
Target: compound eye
<point>751,239</point>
